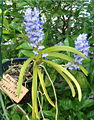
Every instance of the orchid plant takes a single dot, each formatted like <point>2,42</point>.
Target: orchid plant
<point>34,31</point>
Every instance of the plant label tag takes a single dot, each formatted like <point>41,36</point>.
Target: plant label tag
<point>9,86</point>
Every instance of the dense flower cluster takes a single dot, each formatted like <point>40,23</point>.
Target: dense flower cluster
<point>81,44</point>
<point>34,29</point>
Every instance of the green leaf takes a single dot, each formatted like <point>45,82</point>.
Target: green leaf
<point>66,42</point>
<point>64,11</point>
<point>21,4</point>
<point>0,11</point>
<point>44,88</point>
<point>92,49</point>
<point>24,117</point>
<point>22,72</point>
<point>66,104</point>
<point>91,40</point>
<point>27,53</point>
<point>90,114</point>
<point>59,67</point>
<point>35,114</point>
<point>53,78</point>
<point>76,14</point>
<point>83,70</point>
<point>56,114</point>
<point>68,81</point>
<point>62,56</point>
<point>48,113</point>
<point>87,103</point>
<point>4,60</point>
<point>16,117</point>
<point>24,45</point>
<point>62,48</point>
<point>82,80</point>
<point>81,116</point>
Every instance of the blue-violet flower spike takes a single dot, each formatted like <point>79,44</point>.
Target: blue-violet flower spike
<point>33,28</point>
<point>81,44</point>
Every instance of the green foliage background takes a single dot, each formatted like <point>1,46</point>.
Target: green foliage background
<point>63,20</point>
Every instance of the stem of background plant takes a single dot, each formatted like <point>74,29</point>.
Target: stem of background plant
<point>1,41</point>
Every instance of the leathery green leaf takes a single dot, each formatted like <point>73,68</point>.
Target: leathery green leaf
<point>68,74</point>
<point>83,70</point>
<point>68,81</point>
<point>63,48</point>
<point>44,88</point>
<point>53,90</point>
<point>22,72</point>
<point>62,56</point>
<point>34,93</point>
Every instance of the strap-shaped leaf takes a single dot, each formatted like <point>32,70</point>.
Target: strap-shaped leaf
<point>68,74</point>
<point>62,56</point>
<point>53,90</point>
<point>83,70</point>
<point>22,72</point>
<point>44,88</point>
<point>62,48</point>
<point>68,81</point>
<point>34,93</point>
